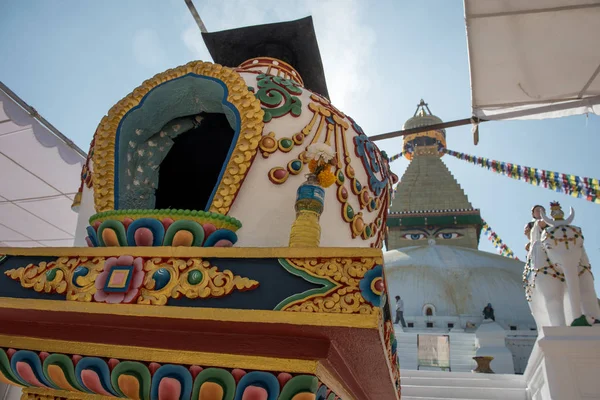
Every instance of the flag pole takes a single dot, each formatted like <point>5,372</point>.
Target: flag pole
<point>196,16</point>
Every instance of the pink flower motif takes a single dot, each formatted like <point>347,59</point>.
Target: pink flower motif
<point>131,291</point>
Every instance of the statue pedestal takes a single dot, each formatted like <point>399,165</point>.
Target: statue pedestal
<point>564,364</point>
<point>491,338</point>
<point>483,365</point>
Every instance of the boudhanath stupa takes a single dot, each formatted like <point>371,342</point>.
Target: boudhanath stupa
<point>433,261</point>
<point>434,264</point>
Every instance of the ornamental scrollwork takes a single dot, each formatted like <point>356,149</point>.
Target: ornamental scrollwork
<point>128,279</point>
<point>277,95</point>
<point>192,278</point>
<point>330,126</point>
<point>73,277</point>
<point>346,297</point>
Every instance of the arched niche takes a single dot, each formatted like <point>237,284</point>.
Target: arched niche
<point>147,133</point>
<point>138,133</point>
<point>194,161</point>
<point>429,310</point>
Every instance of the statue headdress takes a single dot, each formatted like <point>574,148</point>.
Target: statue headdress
<point>556,211</point>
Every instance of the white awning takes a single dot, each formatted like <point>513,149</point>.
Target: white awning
<point>533,59</point>
<point>39,177</point>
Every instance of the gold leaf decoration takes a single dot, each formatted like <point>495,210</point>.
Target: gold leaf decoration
<point>57,276</point>
<point>193,278</point>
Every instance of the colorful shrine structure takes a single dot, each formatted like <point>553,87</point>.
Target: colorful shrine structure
<point>193,284</point>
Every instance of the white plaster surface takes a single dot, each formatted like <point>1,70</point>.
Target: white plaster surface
<point>491,340</point>
<point>86,210</point>
<point>459,282</point>
<point>265,209</point>
<point>564,364</point>
<point>9,392</point>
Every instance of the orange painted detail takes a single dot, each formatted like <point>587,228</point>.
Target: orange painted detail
<point>183,238</point>
<point>4,379</point>
<point>110,237</point>
<point>130,386</point>
<point>304,396</point>
<point>58,377</point>
<point>211,391</point>
<point>273,67</point>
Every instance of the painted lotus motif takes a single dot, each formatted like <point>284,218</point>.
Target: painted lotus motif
<point>120,280</point>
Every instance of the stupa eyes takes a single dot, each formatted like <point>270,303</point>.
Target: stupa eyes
<point>441,235</point>
<point>414,236</point>
<point>449,235</point>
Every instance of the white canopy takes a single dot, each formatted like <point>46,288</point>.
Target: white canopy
<point>533,59</point>
<point>39,176</point>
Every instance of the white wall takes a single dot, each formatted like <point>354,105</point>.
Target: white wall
<point>9,392</point>
<point>564,364</point>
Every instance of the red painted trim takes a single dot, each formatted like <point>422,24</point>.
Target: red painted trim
<point>355,356</point>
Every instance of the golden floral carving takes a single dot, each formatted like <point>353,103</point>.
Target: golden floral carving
<point>75,277</point>
<point>26,395</point>
<point>57,276</point>
<point>251,126</point>
<point>346,296</point>
<point>193,278</point>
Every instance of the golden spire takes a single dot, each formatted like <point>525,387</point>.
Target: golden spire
<point>435,139</point>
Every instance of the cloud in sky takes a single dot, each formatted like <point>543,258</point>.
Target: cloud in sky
<point>192,38</point>
<point>345,42</point>
<point>147,49</point>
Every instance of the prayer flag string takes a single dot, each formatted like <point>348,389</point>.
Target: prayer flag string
<point>397,156</point>
<point>493,237</point>
<point>573,185</point>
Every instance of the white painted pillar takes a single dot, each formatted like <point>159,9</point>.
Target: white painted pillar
<point>564,364</point>
<point>9,392</point>
<point>86,210</point>
<point>491,338</point>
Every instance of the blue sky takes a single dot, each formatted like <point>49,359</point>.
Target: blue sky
<point>72,60</point>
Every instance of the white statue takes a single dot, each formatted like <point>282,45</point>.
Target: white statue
<point>557,264</point>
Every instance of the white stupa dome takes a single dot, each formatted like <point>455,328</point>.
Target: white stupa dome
<point>458,281</point>
<point>241,176</point>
